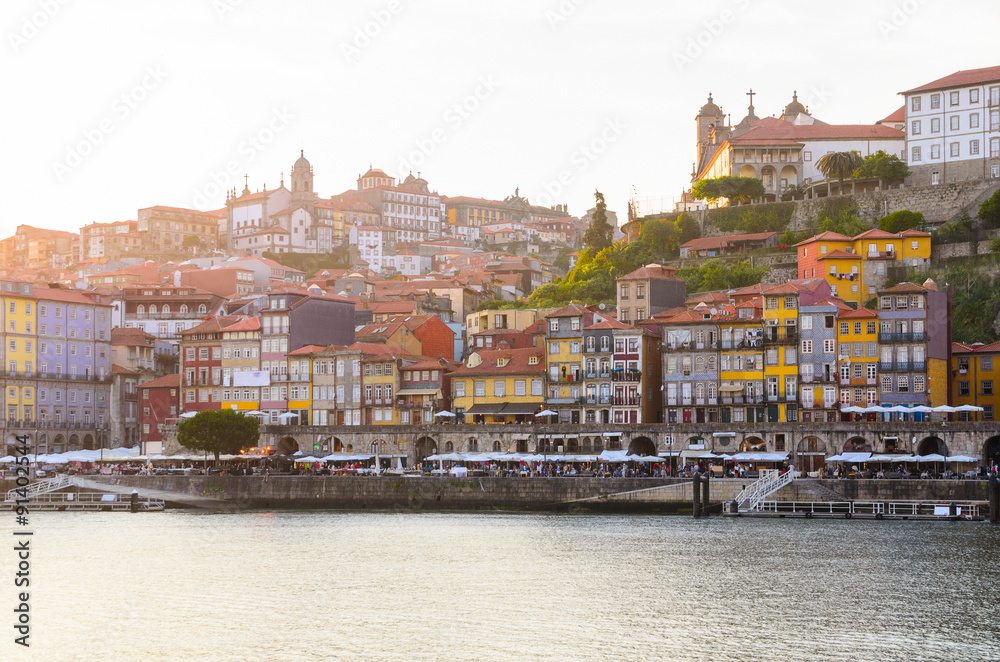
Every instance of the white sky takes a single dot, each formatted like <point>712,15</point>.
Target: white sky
<point>551,76</point>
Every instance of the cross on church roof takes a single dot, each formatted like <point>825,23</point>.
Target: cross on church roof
<point>751,94</point>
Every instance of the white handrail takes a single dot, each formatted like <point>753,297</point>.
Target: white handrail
<point>38,487</point>
<point>750,498</point>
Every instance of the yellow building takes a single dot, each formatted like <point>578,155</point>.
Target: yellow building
<point>517,319</point>
<point>241,355</point>
<point>300,366</point>
<point>976,379</point>
<point>564,360</point>
<point>19,352</point>
<point>781,365</point>
<point>380,384</point>
<point>741,363</point>
<point>499,386</point>
<point>857,357</point>
<point>856,267</point>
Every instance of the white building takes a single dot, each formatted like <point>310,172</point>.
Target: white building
<point>953,128</point>
<point>408,263</point>
<point>374,244</point>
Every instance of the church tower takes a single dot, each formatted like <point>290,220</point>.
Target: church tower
<point>712,131</point>
<point>302,179</point>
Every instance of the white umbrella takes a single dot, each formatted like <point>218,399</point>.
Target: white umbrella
<point>287,416</point>
<point>933,457</point>
<point>546,412</point>
<point>968,408</point>
<point>308,458</point>
<point>445,413</point>
<point>189,414</point>
<point>254,413</point>
<point>962,458</point>
<point>834,458</point>
<point>945,409</point>
<point>854,410</point>
<point>922,409</point>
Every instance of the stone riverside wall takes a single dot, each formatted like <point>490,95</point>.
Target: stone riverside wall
<point>964,248</point>
<point>513,494</point>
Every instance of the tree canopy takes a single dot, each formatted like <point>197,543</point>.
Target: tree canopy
<point>222,431</point>
<point>731,187</point>
<point>989,211</point>
<point>900,221</point>
<point>840,165</point>
<point>881,166</point>
<point>600,234</point>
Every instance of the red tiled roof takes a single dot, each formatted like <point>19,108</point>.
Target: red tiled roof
<point>964,348</point>
<point>517,362</point>
<point>167,381</point>
<point>897,115</point>
<point>305,349</point>
<point>860,313</point>
<point>960,79</point>
<point>826,236</point>
<point>703,243</point>
<point>801,132</point>
<point>610,323</point>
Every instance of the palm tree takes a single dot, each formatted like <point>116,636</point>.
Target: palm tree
<point>841,164</point>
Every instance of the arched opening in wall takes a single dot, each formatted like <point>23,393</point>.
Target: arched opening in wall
<point>288,446</point>
<point>522,445</point>
<point>812,454</point>
<point>74,443</point>
<point>753,445</point>
<point>932,445</point>
<point>641,446</point>
<point>337,445</point>
<point>857,445</point>
<point>991,451</point>
<point>449,447</point>
<point>748,171</point>
<point>789,177</point>
<point>424,447</point>
<point>58,443</point>
<point>88,442</point>
<point>769,176</point>
<point>12,444</point>
<point>497,447</point>
<point>573,445</point>
<point>472,445</point>
<point>43,444</point>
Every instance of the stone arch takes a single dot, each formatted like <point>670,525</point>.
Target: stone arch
<point>753,445</point>
<point>857,445</point>
<point>288,446</point>
<point>58,443</point>
<point>932,444</point>
<point>12,444</point>
<point>423,447</point>
<point>472,445</point>
<point>497,446</point>
<point>74,443</point>
<point>449,447</point>
<point>811,453</point>
<point>991,451</point>
<point>790,175</point>
<point>573,445</point>
<point>769,175</point>
<point>642,446</point>
<point>43,444</point>
<point>336,445</point>
<point>88,442</point>
<point>748,171</point>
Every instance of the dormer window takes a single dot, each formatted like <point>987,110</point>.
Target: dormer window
<point>502,361</point>
<point>532,360</point>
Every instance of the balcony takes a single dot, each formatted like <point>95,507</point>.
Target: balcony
<point>627,401</point>
<point>597,375</point>
<point>626,376</point>
<point>890,337</point>
<point>25,374</point>
<point>789,338</point>
<point>880,255</point>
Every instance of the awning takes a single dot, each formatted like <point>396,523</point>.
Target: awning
<point>854,457</point>
<point>730,388</point>
<point>760,457</point>
<point>436,392</point>
<point>723,434</point>
<point>485,409</point>
<point>612,434</point>
<point>513,408</point>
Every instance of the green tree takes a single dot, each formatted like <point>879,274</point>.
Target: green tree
<point>839,165</point>
<point>192,241</point>
<point>989,211</point>
<point>900,221</point>
<point>883,167</point>
<point>731,187</point>
<point>688,227</point>
<point>222,431</point>
<point>994,246</point>
<point>600,233</point>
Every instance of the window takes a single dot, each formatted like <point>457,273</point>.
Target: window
<point>986,363</point>
<point>915,128</point>
<point>499,388</point>
<point>935,152</point>
<point>536,387</point>
<point>954,123</point>
<point>553,325</point>
<point>520,387</point>
<point>915,103</point>
<point>914,154</point>
<point>844,326</point>
<point>624,292</point>
<point>887,383</point>
<point>987,387</point>
<point>953,98</point>
<point>807,346</point>
<point>829,346</point>
<point>953,149</point>
<point>935,125</point>
<point>480,388</point>
<point>807,322</point>
<point>973,120</point>
<point>974,95</point>
<point>973,147</point>
<point>935,101</point>
<point>903,384</point>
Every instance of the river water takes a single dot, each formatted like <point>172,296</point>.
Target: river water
<point>183,585</point>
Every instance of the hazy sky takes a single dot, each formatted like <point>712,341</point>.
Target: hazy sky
<point>113,105</point>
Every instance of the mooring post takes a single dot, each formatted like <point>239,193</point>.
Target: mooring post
<point>134,506</point>
<point>704,494</point>
<point>994,500</point>
<point>952,509</point>
<point>696,505</point>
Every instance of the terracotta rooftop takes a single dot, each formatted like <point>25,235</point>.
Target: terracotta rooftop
<point>960,79</point>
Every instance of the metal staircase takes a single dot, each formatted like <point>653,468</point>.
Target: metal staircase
<point>749,499</point>
<point>39,487</point>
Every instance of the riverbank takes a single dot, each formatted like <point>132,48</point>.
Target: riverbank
<point>444,493</point>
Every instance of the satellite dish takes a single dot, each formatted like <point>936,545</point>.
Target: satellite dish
<point>714,311</point>
<point>600,306</point>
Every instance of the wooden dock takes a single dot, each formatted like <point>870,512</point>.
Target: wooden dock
<point>86,501</point>
<point>887,510</point>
